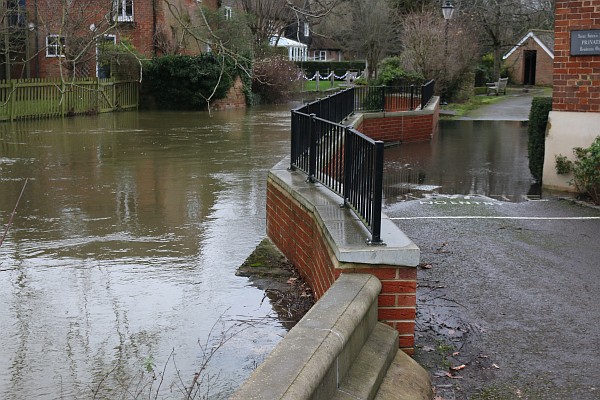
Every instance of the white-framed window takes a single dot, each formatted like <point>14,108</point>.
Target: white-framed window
<point>55,46</point>
<point>228,12</point>
<point>320,55</point>
<point>123,10</point>
<point>306,29</point>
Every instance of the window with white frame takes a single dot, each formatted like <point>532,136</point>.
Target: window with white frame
<point>228,12</point>
<point>306,29</point>
<point>123,10</point>
<point>55,46</point>
<point>320,55</point>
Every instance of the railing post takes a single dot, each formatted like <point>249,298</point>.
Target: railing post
<point>312,154</point>
<point>412,97</point>
<point>347,163</point>
<point>383,100</point>
<point>377,194</point>
<point>293,141</point>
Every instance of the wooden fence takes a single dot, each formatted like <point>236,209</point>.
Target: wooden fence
<point>44,98</point>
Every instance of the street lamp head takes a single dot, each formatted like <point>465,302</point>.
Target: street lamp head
<point>448,10</point>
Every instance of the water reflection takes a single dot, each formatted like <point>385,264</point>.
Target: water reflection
<point>466,157</point>
<point>123,251</point>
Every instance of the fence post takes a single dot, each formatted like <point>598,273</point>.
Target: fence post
<point>293,140</point>
<point>377,194</point>
<point>383,100</point>
<point>312,154</point>
<point>412,97</point>
<point>13,94</point>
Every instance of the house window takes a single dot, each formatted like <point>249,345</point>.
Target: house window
<point>123,10</point>
<point>55,46</point>
<point>228,12</point>
<point>306,29</point>
<point>320,55</point>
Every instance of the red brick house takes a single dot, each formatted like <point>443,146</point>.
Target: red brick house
<point>51,38</point>
<point>531,61</point>
<point>575,117</point>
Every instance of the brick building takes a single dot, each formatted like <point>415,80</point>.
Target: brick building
<point>531,61</point>
<point>52,37</point>
<point>575,117</point>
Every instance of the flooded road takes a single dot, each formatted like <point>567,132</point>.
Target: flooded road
<point>120,261</point>
<point>486,158</point>
<point>120,264</point>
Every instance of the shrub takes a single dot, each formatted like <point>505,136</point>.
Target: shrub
<point>585,169</point>
<point>274,79</point>
<point>392,74</point>
<point>187,82</point>
<point>538,117</point>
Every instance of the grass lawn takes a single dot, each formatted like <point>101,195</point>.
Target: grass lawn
<point>311,86</point>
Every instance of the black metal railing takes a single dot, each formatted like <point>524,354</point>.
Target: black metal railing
<point>427,93</point>
<point>343,159</point>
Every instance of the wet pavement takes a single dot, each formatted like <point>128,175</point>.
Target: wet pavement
<point>507,303</point>
<point>512,290</point>
<point>514,107</point>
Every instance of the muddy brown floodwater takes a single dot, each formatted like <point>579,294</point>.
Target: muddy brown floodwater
<point>121,259</point>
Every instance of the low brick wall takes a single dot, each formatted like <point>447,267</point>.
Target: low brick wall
<point>324,241</point>
<point>403,126</point>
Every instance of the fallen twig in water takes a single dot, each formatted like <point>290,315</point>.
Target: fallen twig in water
<point>13,213</point>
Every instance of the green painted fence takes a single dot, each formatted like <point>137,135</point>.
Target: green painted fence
<point>45,98</point>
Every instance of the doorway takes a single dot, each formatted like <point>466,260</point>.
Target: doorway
<point>530,57</point>
<point>103,47</point>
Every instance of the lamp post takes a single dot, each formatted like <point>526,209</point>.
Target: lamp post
<point>447,11</point>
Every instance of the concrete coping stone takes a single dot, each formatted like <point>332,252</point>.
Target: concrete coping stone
<point>296,367</point>
<point>343,230</point>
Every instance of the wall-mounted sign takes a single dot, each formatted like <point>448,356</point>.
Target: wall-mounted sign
<point>585,43</point>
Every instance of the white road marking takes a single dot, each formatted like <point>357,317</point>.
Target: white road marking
<point>494,217</point>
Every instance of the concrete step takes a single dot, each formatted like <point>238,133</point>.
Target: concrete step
<point>370,366</point>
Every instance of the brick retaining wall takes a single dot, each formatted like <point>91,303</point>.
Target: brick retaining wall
<point>297,232</point>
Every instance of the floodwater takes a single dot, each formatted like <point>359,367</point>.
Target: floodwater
<point>119,266</point>
<point>486,158</point>
<point>120,262</point>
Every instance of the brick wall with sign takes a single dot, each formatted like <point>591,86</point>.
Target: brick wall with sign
<point>577,77</point>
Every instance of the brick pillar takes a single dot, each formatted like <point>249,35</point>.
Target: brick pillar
<point>576,78</point>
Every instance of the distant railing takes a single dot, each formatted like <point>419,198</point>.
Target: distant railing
<point>342,158</point>
<point>42,98</point>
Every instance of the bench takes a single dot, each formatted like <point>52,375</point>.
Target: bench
<point>497,87</point>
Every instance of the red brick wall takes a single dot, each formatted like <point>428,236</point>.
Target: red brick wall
<point>409,128</point>
<point>543,69</point>
<point>576,78</point>
<point>235,97</point>
<point>47,17</point>
<point>295,231</point>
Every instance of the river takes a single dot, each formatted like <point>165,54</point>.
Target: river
<point>120,262</point>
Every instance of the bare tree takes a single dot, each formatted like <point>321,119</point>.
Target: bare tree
<point>446,59</point>
<point>369,28</point>
<point>503,22</point>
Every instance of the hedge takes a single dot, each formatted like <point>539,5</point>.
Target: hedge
<point>538,117</point>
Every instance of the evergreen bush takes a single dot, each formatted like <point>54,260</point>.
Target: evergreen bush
<point>391,73</point>
<point>186,82</point>
<point>538,117</point>
<point>585,169</point>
